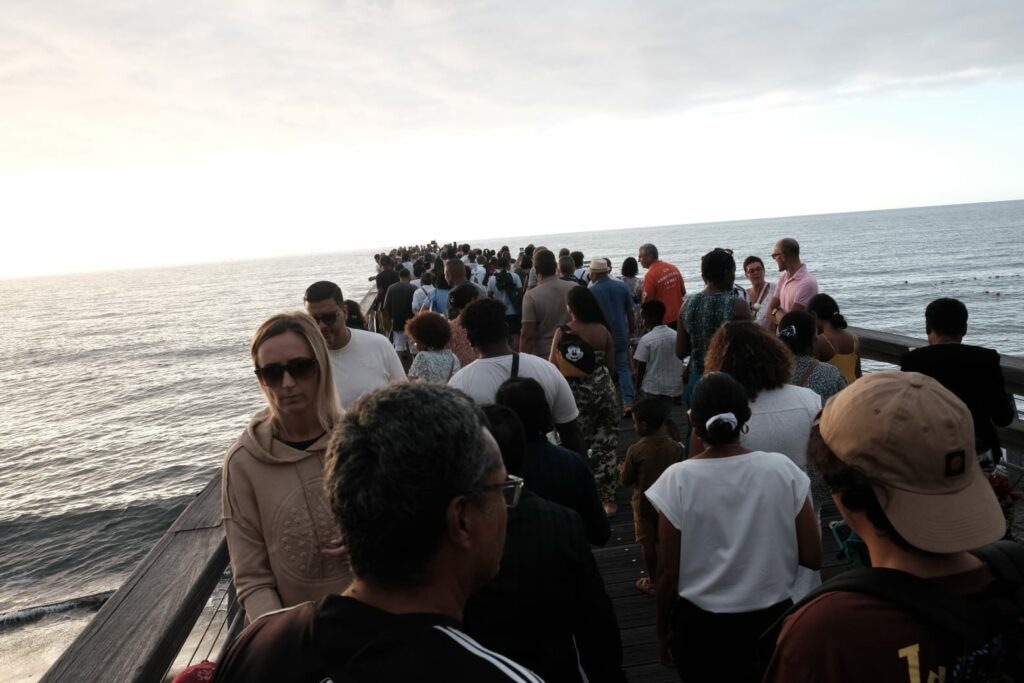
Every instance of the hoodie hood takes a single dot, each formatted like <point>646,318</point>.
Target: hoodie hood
<point>259,440</point>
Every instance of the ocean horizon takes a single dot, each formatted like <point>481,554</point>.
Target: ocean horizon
<point>124,388</point>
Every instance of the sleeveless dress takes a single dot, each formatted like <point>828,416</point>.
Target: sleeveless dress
<point>846,363</point>
<point>598,421</point>
<point>703,313</point>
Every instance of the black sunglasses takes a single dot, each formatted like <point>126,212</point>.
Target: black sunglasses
<point>299,368</point>
<point>326,318</point>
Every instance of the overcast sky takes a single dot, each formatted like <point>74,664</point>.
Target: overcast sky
<point>143,133</point>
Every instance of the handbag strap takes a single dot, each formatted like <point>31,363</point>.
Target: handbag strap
<point>515,364</point>
<point>807,373</point>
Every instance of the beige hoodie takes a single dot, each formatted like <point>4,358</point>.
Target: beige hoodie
<point>277,519</point>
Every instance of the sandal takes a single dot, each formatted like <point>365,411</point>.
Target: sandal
<point>644,585</point>
<point>610,509</point>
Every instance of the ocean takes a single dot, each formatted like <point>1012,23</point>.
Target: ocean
<point>122,390</point>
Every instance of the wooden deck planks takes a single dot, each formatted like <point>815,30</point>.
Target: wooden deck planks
<point>621,564</point>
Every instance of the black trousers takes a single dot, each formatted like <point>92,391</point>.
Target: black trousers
<point>718,646</point>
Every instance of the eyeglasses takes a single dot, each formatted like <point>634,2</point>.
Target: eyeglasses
<point>326,318</point>
<point>755,271</point>
<point>272,374</point>
<point>727,251</point>
<point>777,254</point>
<point>510,489</point>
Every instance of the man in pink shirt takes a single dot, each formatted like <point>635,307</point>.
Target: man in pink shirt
<point>796,285</point>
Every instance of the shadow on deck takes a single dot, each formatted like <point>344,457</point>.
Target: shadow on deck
<point>621,564</point>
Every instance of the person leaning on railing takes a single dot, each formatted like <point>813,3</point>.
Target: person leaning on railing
<point>282,539</point>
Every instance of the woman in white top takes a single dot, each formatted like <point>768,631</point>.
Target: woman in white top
<point>781,413</point>
<point>733,527</point>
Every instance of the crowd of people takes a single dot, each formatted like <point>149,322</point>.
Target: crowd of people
<point>424,500</point>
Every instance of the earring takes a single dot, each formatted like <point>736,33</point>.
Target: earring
<point>744,429</point>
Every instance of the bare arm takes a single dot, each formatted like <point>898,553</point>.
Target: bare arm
<point>528,338</point>
<point>609,352</point>
<point>666,588</point>
<point>808,537</point>
<point>553,355</point>
<point>682,340</point>
<point>571,437</point>
<point>631,320</point>
<point>741,310</point>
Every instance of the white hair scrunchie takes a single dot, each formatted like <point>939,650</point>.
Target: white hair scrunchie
<point>728,418</point>
<point>788,331</point>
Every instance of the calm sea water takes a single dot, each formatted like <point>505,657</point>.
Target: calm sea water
<point>123,390</point>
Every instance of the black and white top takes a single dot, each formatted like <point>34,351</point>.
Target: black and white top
<point>341,639</point>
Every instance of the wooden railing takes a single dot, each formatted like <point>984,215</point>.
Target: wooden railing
<point>138,633</point>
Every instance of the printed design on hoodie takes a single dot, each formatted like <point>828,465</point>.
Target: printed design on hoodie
<point>300,541</point>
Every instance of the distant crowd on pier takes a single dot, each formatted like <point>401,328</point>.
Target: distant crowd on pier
<point>420,498</point>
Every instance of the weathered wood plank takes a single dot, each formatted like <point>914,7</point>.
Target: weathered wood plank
<point>139,631</point>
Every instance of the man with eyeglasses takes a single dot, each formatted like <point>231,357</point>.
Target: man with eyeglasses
<point>360,360</point>
<point>796,285</point>
<point>424,518</point>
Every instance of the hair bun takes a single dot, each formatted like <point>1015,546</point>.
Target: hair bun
<point>838,321</point>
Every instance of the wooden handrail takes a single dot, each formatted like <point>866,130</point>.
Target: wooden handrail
<point>142,627</point>
<point>138,633</point>
<point>887,348</point>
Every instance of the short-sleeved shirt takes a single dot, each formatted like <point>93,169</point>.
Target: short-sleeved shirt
<point>737,518</point>
<point>616,302</point>
<point>873,640</point>
<point>823,379</point>
<point>663,282</point>
<point>435,366</point>
<point>799,288</point>
<point>646,460</point>
<point>398,303</point>
<point>343,639</point>
<point>545,305</point>
<point>663,375</point>
<point>482,378</point>
<point>781,420</point>
<point>368,361</point>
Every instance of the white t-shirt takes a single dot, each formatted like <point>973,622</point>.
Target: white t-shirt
<point>780,421</point>
<point>420,297</point>
<point>482,378</point>
<point>368,361</point>
<point>737,523</point>
<point>664,372</point>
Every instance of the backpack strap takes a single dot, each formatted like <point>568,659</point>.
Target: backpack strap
<point>515,364</point>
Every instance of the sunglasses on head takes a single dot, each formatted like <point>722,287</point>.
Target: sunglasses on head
<point>298,368</point>
<point>326,318</point>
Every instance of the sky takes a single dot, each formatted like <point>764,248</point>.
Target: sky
<point>140,133</point>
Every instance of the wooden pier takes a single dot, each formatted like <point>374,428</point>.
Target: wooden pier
<point>171,598</point>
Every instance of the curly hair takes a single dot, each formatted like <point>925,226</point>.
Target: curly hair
<point>484,322</point>
<point>430,330</point>
<point>751,354</point>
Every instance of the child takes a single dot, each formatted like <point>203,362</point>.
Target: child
<point>645,461</point>
<point>659,373</point>
<point>430,333</point>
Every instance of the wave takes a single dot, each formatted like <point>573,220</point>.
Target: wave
<point>29,615</point>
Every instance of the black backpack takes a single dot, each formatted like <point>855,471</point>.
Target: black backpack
<point>504,281</point>
<point>990,625</point>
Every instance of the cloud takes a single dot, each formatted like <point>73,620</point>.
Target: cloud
<point>108,81</point>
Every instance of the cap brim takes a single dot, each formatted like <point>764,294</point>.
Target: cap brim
<point>946,523</point>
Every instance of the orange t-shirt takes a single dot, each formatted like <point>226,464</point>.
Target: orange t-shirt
<point>663,282</point>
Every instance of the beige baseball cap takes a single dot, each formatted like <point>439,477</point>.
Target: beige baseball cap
<point>915,440</point>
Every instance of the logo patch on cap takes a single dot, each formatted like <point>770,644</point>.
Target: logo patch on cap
<point>956,463</point>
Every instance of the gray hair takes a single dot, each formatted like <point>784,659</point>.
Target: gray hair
<point>649,250</point>
<point>395,462</point>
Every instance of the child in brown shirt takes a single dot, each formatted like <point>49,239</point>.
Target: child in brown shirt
<point>645,461</point>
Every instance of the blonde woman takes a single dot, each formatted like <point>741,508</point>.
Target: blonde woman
<point>282,538</point>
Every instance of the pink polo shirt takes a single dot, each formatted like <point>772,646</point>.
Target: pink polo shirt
<point>797,289</point>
